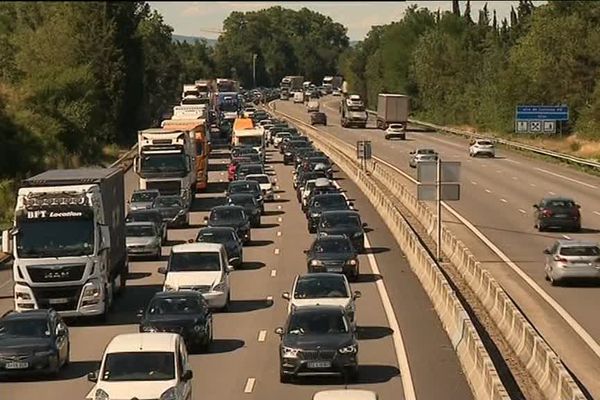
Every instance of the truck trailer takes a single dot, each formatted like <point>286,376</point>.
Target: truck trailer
<point>68,241</point>
<point>392,109</point>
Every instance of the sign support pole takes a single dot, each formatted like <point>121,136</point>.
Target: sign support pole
<point>439,209</point>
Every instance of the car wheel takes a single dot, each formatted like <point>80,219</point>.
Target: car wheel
<point>68,359</point>
<point>387,137</point>
<point>541,228</point>
<point>553,282</point>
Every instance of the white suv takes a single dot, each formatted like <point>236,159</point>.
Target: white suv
<point>322,288</point>
<point>145,366</point>
<point>266,186</point>
<point>202,267</point>
<point>482,147</point>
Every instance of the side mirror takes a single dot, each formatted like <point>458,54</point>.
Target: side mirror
<point>206,218</point>
<point>6,242</point>
<point>140,313</point>
<point>351,204</point>
<point>233,260</point>
<point>187,375</point>
<point>93,376</point>
<point>279,331</point>
<point>536,206</point>
<point>364,224</point>
<point>546,251</point>
<point>61,331</point>
<point>286,295</point>
<point>230,268</point>
<point>357,294</point>
<point>162,270</point>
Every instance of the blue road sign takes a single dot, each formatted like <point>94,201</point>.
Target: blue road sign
<point>542,113</point>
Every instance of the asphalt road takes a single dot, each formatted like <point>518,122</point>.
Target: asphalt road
<point>497,198</point>
<point>243,360</point>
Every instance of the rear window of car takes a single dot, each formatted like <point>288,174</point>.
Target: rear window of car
<point>580,251</point>
<point>560,203</point>
<point>484,143</point>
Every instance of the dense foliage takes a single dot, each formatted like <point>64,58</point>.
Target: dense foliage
<point>463,72</point>
<point>285,42</point>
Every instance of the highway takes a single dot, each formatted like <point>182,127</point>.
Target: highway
<point>497,198</point>
<point>243,360</point>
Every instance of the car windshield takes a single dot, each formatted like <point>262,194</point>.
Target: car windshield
<point>176,305</point>
<point>245,187</point>
<point>334,220</point>
<point>35,328</point>
<point>322,286</point>
<point>317,323</point>
<point>143,196</point>
<point>139,366</point>
<point>168,202</point>
<point>258,178</point>
<point>139,230</point>
<point>580,251</point>
<point>251,169</point>
<point>194,261</point>
<point>215,236</point>
<point>394,126</point>
<point>228,214</point>
<point>59,237</point>
<point>484,143</point>
<point>332,246</point>
<point>425,151</point>
<point>283,135</point>
<point>560,204</point>
<point>243,201</point>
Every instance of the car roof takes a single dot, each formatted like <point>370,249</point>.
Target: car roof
<point>242,182</point>
<point>140,223</point>
<point>337,212</point>
<point>197,247</point>
<point>345,394</point>
<point>216,229</point>
<point>577,243</point>
<point>226,207</point>
<point>321,308</point>
<point>27,314</point>
<point>239,196</point>
<point>331,237</point>
<point>248,177</point>
<point>143,342</point>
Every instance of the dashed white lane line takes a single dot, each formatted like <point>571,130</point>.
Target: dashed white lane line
<point>249,385</point>
<point>498,170</point>
<point>488,191</point>
<point>551,193</point>
<point>220,180</point>
<point>515,178</point>
<point>566,178</point>
<point>222,173</point>
<point>273,273</point>
<point>276,251</point>
<point>278,233</point>
<point>279,207</point>
<point>596,212</point>
<point>567,237</point>
<point>279,219</point>
<point>503,200</point>
<point>473,183</point>
<point>522,211</point>
<point>262,335</point>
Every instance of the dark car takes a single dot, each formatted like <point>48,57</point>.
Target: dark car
<point>320,203</point>
<point>142,198</point>
<point>173,210</point>
<point>300,154</point>
<point>345,223</point>
<point>557,212</point>
<point>319,190</point>
<point>250,205</point>
<point>320,163</point>
<point>228,238</point>
<point>333,253</point>
<point>185,312</point>
<point>243,186</point>
<point>243,150</point>
<point>318,340</point>
<point>290,150</point>
<point>304,176</point>
<point>33,342</point>
<point>233,217</point>
<point>318,118</point>
<point>248,169</point>
<point>152,215</point>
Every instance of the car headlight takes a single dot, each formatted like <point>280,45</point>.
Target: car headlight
<point>220,287</point>
<point>351,262</point>
<point>198,328</point>
<point>323,233</point>
<point>169,288</point>
<point>287,154</point>
<point>314,215</point>
<point>316,263</point>
<point>289,352</point>
<point>44,353</point>
<point>22,296</point>
<point>101,395</point>
<point>169,394</point>
<point>353,348</point>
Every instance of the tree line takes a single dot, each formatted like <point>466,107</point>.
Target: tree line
<point>458,71</point>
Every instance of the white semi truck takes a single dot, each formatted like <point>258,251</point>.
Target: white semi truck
<point>165,161</point>
<point>68,241</point>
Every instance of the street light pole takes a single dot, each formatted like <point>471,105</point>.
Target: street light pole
<point>254,69</point>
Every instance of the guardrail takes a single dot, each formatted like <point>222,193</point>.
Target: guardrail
<point>544,366</point>
<point>508,143</point>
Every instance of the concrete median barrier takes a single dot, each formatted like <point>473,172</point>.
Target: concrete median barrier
<point>541,362</point>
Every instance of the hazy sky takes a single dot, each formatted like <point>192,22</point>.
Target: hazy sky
<point>199,18</point>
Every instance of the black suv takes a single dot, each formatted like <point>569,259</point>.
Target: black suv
<point>333,253</point>
<point>290,150</point>
<point>251,206</point>
<point>184,312</point>
<point>33,342</point>
<point>233,217</point>
<point>324,202</point>
<point>345,223</point>
<point>243,186</point>
<point>173,210</point>
<point>318,340</point>
<point>318,118</point>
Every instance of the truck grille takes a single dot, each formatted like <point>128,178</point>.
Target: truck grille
<point>318,354</point>
<point>52,273</point>
<point>61,298</point>
<point>165,187</point>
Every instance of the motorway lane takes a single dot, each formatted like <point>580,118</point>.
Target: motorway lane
<point>245,346</point>
<point>497,198</point>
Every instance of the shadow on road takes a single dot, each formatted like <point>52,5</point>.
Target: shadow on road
<point>368,278</point>
<point>367,374</point>
<point>75,370</point>
<point>260,243</point>
<point>132,276</point>
<point>373,332</point>
<point>251,266</point>
<point>239,306</point>
<point>376,250</point>
<point>219,346</point>
<point>273,213</point>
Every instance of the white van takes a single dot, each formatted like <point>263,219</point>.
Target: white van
<point>202,267</point>
<point>298,97</point>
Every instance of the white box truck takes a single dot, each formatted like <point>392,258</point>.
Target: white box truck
<point>392,109</point>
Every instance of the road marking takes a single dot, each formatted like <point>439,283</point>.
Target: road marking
<point>220,180</point>
<point>279,219</point>
<point>262,335</point>
<point>566,177</point>
<point>273,273</point>
<point>277,196</point>
<point>551,193</point>
<point>498,170</point>
<point>249,385</point>
<point>596,212</point>
<point>278,233</point>
<point>473,183</point>
<point>503,200</point>
<point>276,251</point>
<point>522,211</point>
<point>279,207</point>
<point>566,237</point>
<point>488,191</point>
<point>222,173</point>
<point>515,178</point>
<point>513,161</point>
<point>532,184</point>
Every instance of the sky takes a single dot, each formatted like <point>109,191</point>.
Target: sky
<point>196,18</point>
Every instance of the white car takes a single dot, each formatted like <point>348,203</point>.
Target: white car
<point>421,155</point>
<point>266,186</point>
<point>298,97</point>
<point>202,267</point>
<point>345,394</point>
<point>482,147</point>
<point>143,365</point>
<point>322,288</point>
<point>395,130</point>
<point>279,136</point>
<point>313,106</point>
<point>308,187</point>
<point>336,92</point>
<point>249,112</point>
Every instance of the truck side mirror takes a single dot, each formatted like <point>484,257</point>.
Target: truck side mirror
<point>6,242</point>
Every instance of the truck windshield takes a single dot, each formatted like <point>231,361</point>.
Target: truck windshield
<point>153,163</point>
<point>229,106</point>
<point>250,140</point>
<point>55,238</point>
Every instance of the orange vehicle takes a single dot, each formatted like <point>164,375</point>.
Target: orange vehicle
<point>198,128</point>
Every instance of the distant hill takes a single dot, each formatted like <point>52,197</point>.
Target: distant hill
<point>192,39</point>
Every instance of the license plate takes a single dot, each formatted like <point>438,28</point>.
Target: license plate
<point>319,364</point>
<point>58,301</point>
<point>334,269</point>
<point>16,365</point>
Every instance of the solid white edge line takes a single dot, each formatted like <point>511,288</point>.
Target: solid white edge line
<point>596,212</point>
<point>566,177</point>
<point>262,335</point>
<point>249,385</point>
<point>522,211</point>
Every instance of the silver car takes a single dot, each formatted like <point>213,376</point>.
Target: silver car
<point>143,239</point>
<point>142,199</point>
<point>421,155</point>
<point>572,259</point>
<point>482,147</point>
